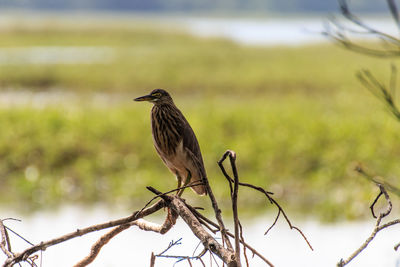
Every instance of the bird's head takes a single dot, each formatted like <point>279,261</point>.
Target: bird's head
<point>157,96</point>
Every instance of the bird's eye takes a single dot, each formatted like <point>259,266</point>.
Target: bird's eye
<point>157,94</point>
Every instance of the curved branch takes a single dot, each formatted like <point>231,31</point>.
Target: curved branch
<point>79,232</point>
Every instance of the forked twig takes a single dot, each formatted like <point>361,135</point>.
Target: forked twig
<point>266,193</point>
<point>234,196</point>
<point>378,227</point>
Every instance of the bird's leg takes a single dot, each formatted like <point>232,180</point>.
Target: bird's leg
<point>178,177</point>
<point>187,180</point>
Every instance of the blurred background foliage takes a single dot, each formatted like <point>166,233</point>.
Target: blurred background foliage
<point>296,116</point>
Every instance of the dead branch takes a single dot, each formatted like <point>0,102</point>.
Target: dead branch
<point>152,260</point>
<point>260,189</point>
<point>180,258</point>
<point>208,241</point>
<point>378,227</point>
<point>99,244</point>
<point>389,202</point>
<point>5,244</point>
<point>142,224</point>
<point>18,257</point>
<point>176,207</point>
<point>208,223</point>
<point>218,216</point>
<point>234,197</point>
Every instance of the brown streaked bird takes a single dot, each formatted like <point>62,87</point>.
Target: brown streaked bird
<point>175,141</point>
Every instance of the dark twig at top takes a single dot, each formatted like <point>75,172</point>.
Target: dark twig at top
<point>346,34</point>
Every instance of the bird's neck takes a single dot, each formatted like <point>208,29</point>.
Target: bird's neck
<point>164,106</point>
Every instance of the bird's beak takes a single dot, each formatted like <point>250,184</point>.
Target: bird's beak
<point>144,98</point>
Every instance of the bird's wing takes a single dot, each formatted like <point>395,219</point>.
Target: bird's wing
<point>191,144</point>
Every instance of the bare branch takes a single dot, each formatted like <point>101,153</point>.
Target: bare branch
<point>389,206</point>
<point>253,250</point>
<point>142,224</point>
<point>266,193</point>
<point>152,260</point>
<point>99,244</point>
<point>5,244</point>
<point>79,232</point>
<point>234,196</point>
<point>178,257</point>
<point>208,241</point>
<point>378,227</point>
<point>218,216</point>
<point>176,207</point>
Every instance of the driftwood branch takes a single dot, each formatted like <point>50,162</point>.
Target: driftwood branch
<point>378,226</point>
<point>179,206</point>
<point>202,227</point>
<point>18,257</point>
<point>142,224</point>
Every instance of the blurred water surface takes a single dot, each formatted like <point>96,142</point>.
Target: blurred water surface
<point>268,30</point>
<point>282,246</point>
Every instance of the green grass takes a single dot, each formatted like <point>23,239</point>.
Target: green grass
<point>297,118</point>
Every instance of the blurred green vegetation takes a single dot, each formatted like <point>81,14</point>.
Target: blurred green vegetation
<point>296,116</point>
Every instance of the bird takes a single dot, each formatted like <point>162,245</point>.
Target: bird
<point>175,142</point>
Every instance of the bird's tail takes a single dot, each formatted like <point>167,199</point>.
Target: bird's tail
<point>200,187</point>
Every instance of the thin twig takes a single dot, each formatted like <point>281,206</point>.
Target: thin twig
<point>266,193</point>
<point>177,204</point>
<point>5,241</point>
<point>244,247</point>
<point>152,260</point>
<point>253,250</point>
<point>168,192</point>
<point>378,227</point>
<point>234,196</point>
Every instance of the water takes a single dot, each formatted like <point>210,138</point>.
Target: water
<point>133,247</point>
<point>275,31</point>
<point>271,32</point>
